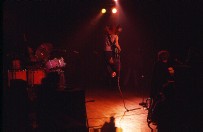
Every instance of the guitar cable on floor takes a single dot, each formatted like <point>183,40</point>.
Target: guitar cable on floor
<point>121,93</point>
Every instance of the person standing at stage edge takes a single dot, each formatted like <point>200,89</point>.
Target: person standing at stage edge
<point>162,93</point>
<point>112,50</point>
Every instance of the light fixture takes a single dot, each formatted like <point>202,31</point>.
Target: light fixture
<point>114,10</point>
<point>103,10</point>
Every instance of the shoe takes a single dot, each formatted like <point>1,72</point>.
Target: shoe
<point>113,74</point>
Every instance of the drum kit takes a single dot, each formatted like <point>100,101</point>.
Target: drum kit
<point>42,65</point>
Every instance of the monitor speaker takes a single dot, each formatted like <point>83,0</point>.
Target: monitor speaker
<point>63,110</point>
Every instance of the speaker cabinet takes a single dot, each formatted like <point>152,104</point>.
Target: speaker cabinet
<point>62,111</point>
<point>16,107</point>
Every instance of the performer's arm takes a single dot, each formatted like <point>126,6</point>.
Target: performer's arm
<point>117,44</point>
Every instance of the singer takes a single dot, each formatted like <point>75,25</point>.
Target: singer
<point>112,50</point>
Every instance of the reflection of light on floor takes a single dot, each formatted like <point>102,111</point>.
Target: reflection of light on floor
<point>125,126</point>
<point>129,117</point>
<point>129,121</point>
<point>119,129</point>
<point>132,125</point>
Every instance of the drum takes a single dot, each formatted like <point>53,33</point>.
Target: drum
<point>17,74</point>
<point>43,51</point>
<point>35,76</point>
<point>55,63</point>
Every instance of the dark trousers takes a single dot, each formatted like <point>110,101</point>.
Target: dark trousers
<point>112,67</point>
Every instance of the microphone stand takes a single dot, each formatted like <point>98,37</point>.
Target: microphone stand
<point>121,93</point>
<point>143,103</point>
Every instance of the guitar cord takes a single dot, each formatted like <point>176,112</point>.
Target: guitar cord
<point>121,93</point>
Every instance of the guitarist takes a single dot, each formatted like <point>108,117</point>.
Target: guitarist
<point>162,92</point>
<point>112,50</point>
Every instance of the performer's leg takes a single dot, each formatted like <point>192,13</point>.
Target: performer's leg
<point>116,67</point>
<point>111,72</point>
<point>110,64</point>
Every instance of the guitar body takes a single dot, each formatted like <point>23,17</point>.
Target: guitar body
<point>115,52</point>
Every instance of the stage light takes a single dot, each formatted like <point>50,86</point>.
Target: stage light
<point>114,10</point>
<point>115,0</point>
<point>103,11</point>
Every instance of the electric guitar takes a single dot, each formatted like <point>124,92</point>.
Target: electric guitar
<point>114,47</point>
<point>116,52</point>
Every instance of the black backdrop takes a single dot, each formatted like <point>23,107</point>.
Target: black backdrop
<point>148,26</point>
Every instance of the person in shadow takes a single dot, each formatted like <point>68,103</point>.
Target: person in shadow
<point>162,93</point>
<point>109,127</point>
<point>47,103</point>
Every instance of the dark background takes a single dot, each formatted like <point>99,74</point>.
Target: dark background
<point>148,26</point>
